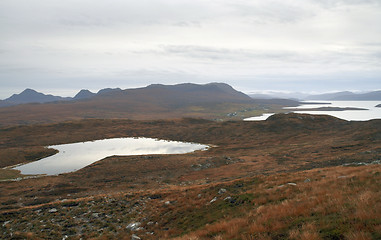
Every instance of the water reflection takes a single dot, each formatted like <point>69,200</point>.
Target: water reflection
<point>259,118</point>
<point>372,111</point>
<point>74,156</point>
<point>350,115</point>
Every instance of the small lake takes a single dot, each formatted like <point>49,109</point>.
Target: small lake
<point>350,115</point>
<point>74,156</point>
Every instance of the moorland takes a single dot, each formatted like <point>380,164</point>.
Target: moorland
<point>293,176</point>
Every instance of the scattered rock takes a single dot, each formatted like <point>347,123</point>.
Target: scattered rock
<point>233,200</point>
<point>307,180</point>
<point>200,166</point>
<point>135,237</point>
<point>291,183</point>
<point>213,200</point>
<point>5,223</point>
<point>134,226</point>
<point>155,196</point>
<point>361,163</point>
<point>199,195</point>
<point>222,191</point>
<point>228,198</point>
<point>53,210</point>
<point>167,203</point>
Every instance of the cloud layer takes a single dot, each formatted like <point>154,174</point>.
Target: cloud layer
<point>251,44</point>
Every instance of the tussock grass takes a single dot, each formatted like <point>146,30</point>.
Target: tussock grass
<point>342,203</point>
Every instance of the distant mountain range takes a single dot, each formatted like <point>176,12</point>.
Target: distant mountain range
<point>170,94</point>
<point>155,101</point>
<point>32,96</point>
<point>278,95</point>
<point>347,96</point>
<point>194,92</point>
<point>336,96</point>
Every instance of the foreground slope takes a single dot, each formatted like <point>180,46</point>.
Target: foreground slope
<point>293,176</point>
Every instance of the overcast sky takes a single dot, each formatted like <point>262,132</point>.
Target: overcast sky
<point>60,47</point>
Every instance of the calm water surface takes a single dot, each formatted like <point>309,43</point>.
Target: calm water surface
<point>259,118</point>
<point>351,115</point>
<point>74,156</point>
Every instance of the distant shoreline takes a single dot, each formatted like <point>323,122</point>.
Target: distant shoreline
<point>328,109</point>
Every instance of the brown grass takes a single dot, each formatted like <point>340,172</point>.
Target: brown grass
<point>311,213</point>
<point>257,163</point>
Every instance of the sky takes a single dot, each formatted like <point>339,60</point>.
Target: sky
<point>60,47</point>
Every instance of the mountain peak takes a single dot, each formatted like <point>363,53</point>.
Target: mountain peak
<point>26,95</point>
<point>83,94</point>
<point>29,90</point>
<point>32,96</point>
<point>108,90</point>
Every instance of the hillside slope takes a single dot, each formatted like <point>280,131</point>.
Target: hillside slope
<point>293,176</point>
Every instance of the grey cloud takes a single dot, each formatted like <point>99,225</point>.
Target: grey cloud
<point>172,40</point>
<point>120,13</point>
<point>289,11</point>
<point>371,44</point>
<point>264,12</point>
<point>202,52</point>
<point>149,75</point>
<point>60,18</point>
<point>377,55</point>
<point>84,21</point>
<point>232,55</point>
<point>336,3</point>
<point>7,69</point>
<point>187,24</point>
